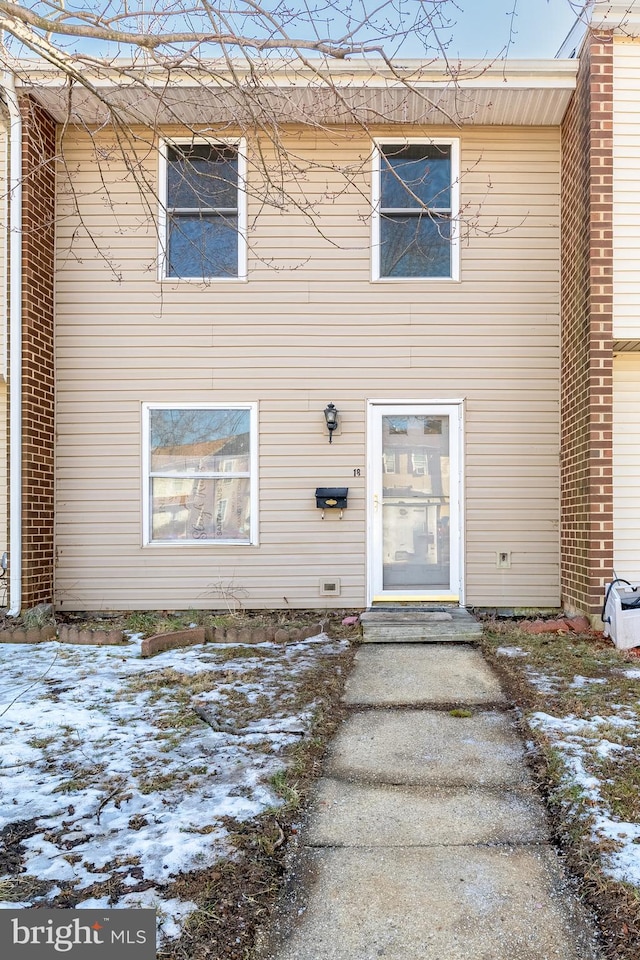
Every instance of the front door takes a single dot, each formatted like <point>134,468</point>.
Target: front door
<point>414,502</point>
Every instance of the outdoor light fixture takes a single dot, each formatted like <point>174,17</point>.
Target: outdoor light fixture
<point>331,416</point>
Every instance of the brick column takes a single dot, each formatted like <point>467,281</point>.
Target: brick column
<point>587,331</point>
<point>38,157</point>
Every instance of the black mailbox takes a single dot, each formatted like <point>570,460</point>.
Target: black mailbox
<point>331,498</point>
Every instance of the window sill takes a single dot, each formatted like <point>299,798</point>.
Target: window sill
<point>202,281</point>
<point>429,280</point>
<point>181,544</point>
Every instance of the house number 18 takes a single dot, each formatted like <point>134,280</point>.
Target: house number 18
<point>356,472</point>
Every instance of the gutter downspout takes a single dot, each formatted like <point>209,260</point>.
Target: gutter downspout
<point>15,358</point>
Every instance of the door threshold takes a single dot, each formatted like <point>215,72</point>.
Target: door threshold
<point>412,607</point>
<point>451,599</point>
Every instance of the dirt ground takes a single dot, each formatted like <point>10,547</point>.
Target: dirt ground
<point>580,704</point>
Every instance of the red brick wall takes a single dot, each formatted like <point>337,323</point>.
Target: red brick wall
<point>38,153</point>
<point>587,327</point>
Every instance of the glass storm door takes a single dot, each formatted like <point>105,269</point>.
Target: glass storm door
<point>415,541</point>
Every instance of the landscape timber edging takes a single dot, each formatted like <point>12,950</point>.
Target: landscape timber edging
<point>269,634</point>
<point>160,642</point>
<point>69,633</point>
<point>27,635</point>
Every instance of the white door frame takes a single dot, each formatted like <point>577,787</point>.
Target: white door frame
<point>375,410</point>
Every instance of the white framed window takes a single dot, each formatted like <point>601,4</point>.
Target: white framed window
<point>416,200</point>
<point>203,209</point>
<point>200,470</point>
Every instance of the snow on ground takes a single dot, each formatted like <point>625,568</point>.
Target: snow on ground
<point>579,682</point>
<point>579,742</point>
<point>107,753</point>
<point>542,681</point>
<point>511,652</point>
<point>171,913</point>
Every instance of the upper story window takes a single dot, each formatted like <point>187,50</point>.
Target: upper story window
<point>203,210</point>
<point>415,204</point>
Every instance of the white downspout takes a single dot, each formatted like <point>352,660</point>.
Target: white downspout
<point>15,358</point>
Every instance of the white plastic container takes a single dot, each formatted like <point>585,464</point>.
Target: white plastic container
<point>621,618</point>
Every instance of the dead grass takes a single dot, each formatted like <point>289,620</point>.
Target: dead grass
<point>235,898</point>
<point>564,658</point>
<point>157,682</point>
<point>620,779</point>
<point>236,895</point>
<point>11,850</point>
<point>149,622</point>
<point>163,781</point>
<point>24,888</point>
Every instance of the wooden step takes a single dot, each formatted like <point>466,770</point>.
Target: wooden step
<point>406,626</point>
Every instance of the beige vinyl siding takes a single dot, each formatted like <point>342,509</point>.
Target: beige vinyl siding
<point>626,189</point>
<point>308,327</point>
<point>4,230</point>
<point>626,466</point>
<point>4,219</point>
<point>4,478</point>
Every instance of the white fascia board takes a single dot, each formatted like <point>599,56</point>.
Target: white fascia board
<point>623,18</point>
<point>480,74</point>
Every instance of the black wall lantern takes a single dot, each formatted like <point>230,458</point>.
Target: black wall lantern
<point>331,416</point>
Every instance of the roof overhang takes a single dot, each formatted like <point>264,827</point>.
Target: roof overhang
<point>529,92</point>
<point>602,16</point>
<point>622,18</point>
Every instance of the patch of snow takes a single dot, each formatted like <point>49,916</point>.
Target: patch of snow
<point>631,674</point>
<point>511,652</point>
<point>624,710</point>
<point>319,638</point>
<point>578,682</point>
<point>571,724</point>
<point>104,751</point>
<point>94,903</point>
<point>574,761</point>
<point>171,916</point>
<point>577,740</point>
<point>171,913</point>
<point>605,749</point>
<point>624,863</point>
<point>542,682</point>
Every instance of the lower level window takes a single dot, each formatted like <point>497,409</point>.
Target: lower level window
<point>200,473</point>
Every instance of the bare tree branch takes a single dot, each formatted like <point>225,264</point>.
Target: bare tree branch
<point>123,74</point>
<point>23,21</point>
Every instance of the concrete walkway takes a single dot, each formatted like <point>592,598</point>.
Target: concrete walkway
<point>426,839</point>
